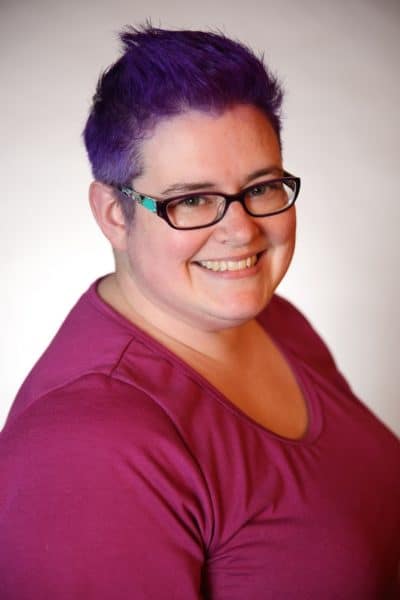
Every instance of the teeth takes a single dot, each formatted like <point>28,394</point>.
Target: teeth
<point>229,265</point>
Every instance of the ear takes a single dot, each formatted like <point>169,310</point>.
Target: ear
<point>108,214</point>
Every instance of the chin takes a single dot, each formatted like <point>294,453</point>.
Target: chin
<point>234,314</point>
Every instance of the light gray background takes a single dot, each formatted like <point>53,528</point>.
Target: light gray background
<point>339,62</point>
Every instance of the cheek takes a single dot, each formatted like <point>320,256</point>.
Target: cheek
<point>154,243</point>
<point>281,229</point>
<point>187,244</point>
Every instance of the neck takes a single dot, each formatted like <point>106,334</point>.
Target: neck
<point>214,343</point>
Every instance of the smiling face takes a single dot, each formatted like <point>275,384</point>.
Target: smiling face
<point>223,275</point>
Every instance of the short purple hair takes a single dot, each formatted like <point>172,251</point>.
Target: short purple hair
<point>162,73</point>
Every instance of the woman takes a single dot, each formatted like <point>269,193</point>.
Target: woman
<point>187,433</point>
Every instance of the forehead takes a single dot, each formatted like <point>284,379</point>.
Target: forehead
<point>197,146</point>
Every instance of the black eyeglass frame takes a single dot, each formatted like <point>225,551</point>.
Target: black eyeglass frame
<point>159,207</point>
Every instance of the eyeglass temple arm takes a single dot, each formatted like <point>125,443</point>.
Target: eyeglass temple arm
<point>145,201</point>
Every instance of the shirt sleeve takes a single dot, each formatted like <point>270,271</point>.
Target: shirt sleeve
<point>100,498</point>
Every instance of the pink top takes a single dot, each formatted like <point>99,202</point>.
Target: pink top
<point>125,475</point>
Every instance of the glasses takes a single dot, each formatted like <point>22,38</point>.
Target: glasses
<point>203,209</point>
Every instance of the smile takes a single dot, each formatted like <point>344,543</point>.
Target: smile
<point>229,265</point>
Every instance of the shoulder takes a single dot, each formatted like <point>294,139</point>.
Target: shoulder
<point>105,440</point>
<point>293,330</point>
<point>98,425</point>
<point>290,325</point>
<point>95,410</point>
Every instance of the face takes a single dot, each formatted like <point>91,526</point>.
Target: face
<point>223,275</point>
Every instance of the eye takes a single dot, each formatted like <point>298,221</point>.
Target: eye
<point>193,201</point>
<point>266,188</point>
<point>259,190</point>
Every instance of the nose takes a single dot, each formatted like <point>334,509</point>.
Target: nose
<point>237,226</point>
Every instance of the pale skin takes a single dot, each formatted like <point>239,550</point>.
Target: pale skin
<point>161,284</point>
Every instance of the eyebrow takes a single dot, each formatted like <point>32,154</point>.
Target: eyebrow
<point>182,188</point>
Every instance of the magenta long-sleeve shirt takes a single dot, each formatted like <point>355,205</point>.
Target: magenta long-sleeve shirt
<point>125,475</point>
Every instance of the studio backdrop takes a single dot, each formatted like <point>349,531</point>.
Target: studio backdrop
<point>338,62</point>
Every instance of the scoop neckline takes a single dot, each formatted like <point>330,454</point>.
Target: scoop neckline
<point>294,362</point>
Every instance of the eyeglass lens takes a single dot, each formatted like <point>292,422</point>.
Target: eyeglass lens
<point>202,209</point>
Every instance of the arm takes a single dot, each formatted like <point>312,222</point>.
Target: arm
<point>100,499</point>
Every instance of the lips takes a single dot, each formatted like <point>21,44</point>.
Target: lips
<point>229,265</point>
